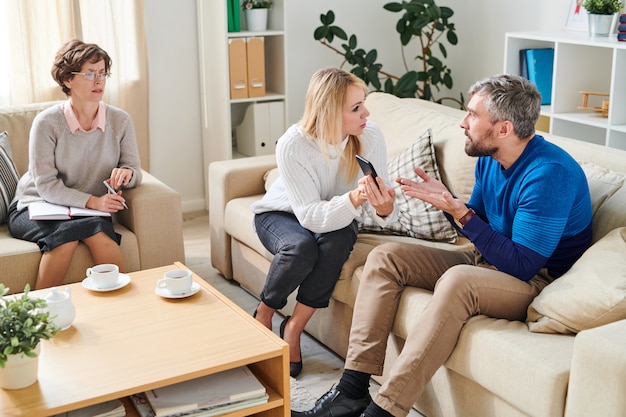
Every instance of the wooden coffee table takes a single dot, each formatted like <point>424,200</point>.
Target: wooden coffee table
<point>131,340</point>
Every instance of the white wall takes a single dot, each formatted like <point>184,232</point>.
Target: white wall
<point>175,140</point>
<point>175,143</point>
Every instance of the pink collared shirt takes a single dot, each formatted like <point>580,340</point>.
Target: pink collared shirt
<point>74,125</point>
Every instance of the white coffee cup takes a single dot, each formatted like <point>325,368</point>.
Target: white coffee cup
<point>177,281</point>
<point>104,275</point>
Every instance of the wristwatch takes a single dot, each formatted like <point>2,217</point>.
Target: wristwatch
<point>461,221</point>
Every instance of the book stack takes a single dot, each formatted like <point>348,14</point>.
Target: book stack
<point>211,395</point>
<point>621,28</point>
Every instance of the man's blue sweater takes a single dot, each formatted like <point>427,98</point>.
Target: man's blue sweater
<point>535,214</point>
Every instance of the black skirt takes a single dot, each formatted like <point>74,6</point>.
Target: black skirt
<point>48,234</point>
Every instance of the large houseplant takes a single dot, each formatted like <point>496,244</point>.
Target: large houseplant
<point>422,21</point>
<point>24,322</point>
<point>602,15</point>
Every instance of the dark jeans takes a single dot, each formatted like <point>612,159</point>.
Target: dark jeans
<point>311,261</point>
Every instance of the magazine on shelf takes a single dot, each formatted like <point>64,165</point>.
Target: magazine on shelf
<point>211,393</point>
<point>145,410</point>
<point>113,408</point>
<point>42,210</point>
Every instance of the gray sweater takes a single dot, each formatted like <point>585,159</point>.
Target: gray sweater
<point>67,168</point>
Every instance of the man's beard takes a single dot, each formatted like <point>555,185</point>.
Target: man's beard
<point>474,149</point>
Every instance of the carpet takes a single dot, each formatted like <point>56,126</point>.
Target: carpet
<point>301,398</point>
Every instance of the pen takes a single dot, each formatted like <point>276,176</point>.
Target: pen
<point>112,191</point>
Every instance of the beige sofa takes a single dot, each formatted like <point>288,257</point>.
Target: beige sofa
<point>499,368</point>
<point>151,228</point>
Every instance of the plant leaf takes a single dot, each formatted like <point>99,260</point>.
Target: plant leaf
<point>338,32</point>
<point>452,38</point>
<point>371,56</point>
<point>352,42</point>
<point>393,7</point>
<point>320,33</point>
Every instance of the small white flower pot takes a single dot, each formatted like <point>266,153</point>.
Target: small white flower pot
<point>20,371</point>
<point>256,19</point>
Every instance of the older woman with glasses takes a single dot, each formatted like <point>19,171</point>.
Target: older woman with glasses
<point>73,148</point>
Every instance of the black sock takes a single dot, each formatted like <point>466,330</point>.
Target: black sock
<point>374,410</point>
<point>354,384</point>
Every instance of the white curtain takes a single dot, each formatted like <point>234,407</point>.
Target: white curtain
<point>31,31</point>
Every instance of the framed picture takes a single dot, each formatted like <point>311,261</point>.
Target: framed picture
<point>577,16</point>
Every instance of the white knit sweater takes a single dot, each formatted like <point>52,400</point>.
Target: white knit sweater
<point>312,186</point>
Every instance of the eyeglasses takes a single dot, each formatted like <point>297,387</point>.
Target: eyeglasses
<point>90,76</point>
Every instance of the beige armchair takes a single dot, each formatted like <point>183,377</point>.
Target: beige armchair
<point>151,228</point>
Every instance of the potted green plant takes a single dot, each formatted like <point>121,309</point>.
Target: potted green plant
<point>256,14</point>
<point>601,15</point>
<point>430,27</point>
<point>24,322</point>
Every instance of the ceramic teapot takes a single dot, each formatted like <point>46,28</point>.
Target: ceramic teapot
<point>61,307</point>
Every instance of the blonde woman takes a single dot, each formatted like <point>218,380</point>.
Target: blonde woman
<point>308,217</point>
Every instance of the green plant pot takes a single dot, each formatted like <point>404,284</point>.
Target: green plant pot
<point>601,24</point>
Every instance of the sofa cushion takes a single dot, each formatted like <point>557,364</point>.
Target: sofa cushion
<point>603,183</point>
<point>590,294</point>
<point>8,176</point>
<point>416,218</point>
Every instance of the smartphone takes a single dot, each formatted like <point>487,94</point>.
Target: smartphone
<point>367,167</point>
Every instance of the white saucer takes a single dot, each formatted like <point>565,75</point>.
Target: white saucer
<point>122,281</point>
<point>165,293</point>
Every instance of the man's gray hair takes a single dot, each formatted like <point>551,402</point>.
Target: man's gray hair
<point>512,98</point>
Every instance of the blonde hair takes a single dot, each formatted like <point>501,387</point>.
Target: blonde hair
<point>322,119</point>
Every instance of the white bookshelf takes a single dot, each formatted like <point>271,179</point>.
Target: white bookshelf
<point>221,114</point>
<point>581,63</point>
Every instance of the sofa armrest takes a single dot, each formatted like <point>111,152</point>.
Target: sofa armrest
<point>598,377</point>
<point>155,216</point>
<point>231,179</point>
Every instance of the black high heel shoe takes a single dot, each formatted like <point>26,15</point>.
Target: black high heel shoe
<point>294,367</point>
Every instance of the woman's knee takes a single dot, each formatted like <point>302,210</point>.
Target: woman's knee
<point>304,248</point>
<point>65,249</point>
<point>100,240</point>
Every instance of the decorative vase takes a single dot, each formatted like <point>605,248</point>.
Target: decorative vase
<point>256,19</point>
<point>20,371</point>
<point>600,24</point>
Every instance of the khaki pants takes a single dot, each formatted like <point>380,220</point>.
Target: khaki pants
<point>463,286</point>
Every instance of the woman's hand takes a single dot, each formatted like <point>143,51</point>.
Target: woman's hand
<point>120,177</point>
<point>434,192</point>
<point>110,203</point>
<point>379,197</point>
